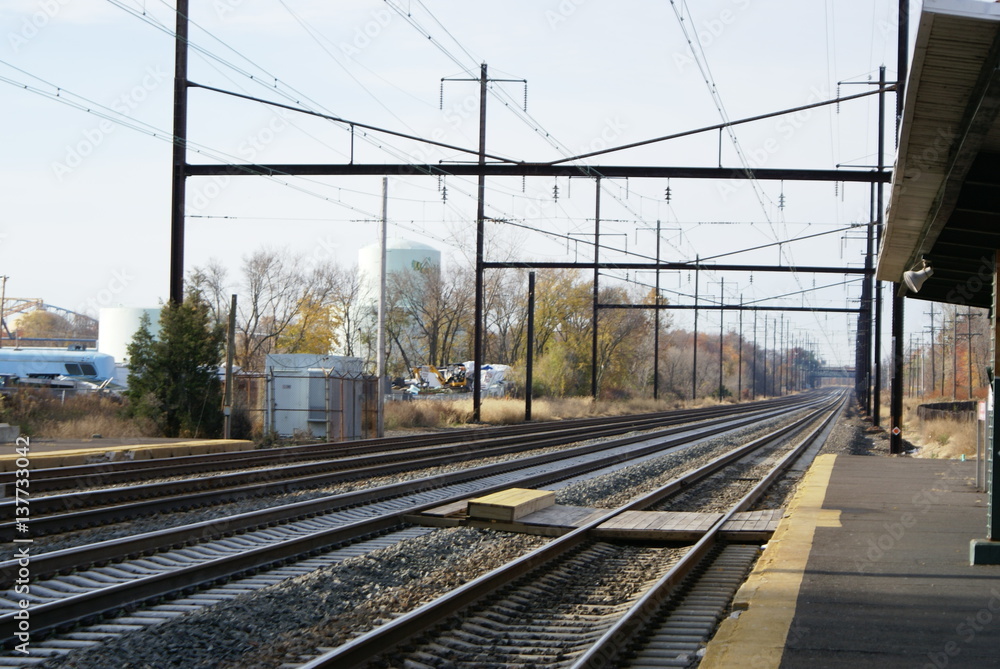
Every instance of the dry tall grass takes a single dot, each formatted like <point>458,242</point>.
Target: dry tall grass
<point>43,414</point>
<point>450,412</point>
<point>941,438</point>
<point>938,438</point>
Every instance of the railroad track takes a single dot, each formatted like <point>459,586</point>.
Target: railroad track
<point>572,603</point>
<point>65,602</point>
<point>61,512</point>
<point>103,474</point>
<point>57,513</point>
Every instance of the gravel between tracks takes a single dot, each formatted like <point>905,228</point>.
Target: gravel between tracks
<point>334,604</point>
<point>328,607</point>
<point>167,520</point>
<point>853,435</point>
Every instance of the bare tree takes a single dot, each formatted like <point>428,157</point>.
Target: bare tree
<point>346,313</point>
<point>212,282</point>
<point>434,313</point>
<point>271,292</point>
<point>507,320</point>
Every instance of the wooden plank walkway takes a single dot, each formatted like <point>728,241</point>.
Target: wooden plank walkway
<point>752,525</point>
<point>663,525</point>
<point>559,519</point>
<point>563,516</point>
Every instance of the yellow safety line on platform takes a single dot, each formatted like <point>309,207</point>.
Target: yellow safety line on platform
<point>758,636</point>
<point>116,452</point>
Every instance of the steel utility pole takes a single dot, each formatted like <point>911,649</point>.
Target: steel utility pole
<point>477,331</point>
<point>898,352</point>
<point>694,359</point>
<point>179,161</point>
<point>597,252</point>
<point>954,357</point>
<point>933,362</point>
<point>766,389</point>
<point>753,376</point>
<point>775,370</point>
<point>880,218</point>
<point>227,401</point>
<point>902,66</point>
<point>739,377</point>
<point>529,365</point>
<point>656,322</point>
<point>780,349</point>
<point>969,334</point>
<point>477,380</point>
<point>863,359</point>
<point>380,335</point>
<point>722,321</point>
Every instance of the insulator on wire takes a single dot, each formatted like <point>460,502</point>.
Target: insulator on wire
<point>555,192</point>
<point>444,193</point>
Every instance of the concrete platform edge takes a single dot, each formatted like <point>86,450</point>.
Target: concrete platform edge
<point>112,453</point>
<point>767,600</point>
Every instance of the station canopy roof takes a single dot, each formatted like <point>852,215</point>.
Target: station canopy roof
<point>945,200</point>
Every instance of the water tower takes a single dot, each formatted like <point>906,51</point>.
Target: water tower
<point>117,325</point>
<point>401,255</point>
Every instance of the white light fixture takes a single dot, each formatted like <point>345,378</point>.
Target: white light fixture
<point>914,279</point>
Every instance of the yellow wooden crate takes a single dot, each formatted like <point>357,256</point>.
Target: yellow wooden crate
<point>509,505</point>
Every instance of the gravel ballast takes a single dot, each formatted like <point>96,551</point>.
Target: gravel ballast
<point>288,622</point>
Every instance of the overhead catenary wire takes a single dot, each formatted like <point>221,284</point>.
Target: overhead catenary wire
<point>297,98</point>
<point>552,218</point>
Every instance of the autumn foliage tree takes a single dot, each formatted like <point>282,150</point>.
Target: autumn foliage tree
<point>284,305</point>
<point>564,337</point>
<point>47,325</point>
<point>288,304</point>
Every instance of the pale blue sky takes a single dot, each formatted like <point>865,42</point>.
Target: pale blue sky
<point>85,201</point>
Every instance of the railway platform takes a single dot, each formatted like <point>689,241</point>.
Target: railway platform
<point>870,568</point>
<point>70,452</point>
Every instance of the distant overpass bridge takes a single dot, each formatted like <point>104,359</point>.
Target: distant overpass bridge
<point>17,305</point>
<point>833,376</point>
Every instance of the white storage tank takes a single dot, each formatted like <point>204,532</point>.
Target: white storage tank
<point>400,255</point>
<point>117,325</point>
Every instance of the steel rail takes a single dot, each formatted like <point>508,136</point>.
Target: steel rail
<point>56,513</point>
<point>360,651</point>
<point>75,476</point>
<point>147,543</point>
<point>603,652</point>
<point>69,611</point>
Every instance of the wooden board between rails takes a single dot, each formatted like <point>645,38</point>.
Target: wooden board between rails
<point>689,525</point>
<point>630,525</point>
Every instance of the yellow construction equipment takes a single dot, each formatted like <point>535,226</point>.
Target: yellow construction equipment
<point>451,377</point>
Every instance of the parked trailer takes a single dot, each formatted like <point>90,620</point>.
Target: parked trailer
<point>49,363</point>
